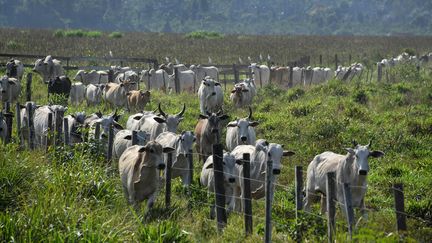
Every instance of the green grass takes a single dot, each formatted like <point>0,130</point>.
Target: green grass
<point>115,35</point>
<point>74,195</point>
<point>204,35</point>
<point>76,33</point>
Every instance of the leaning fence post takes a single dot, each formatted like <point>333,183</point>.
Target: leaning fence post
<point>349,211</point>
<point>28,86</point>
<point>59,114</point>
<point>190,167</point>
<point>225,81</point>
<point>134,137</point>
<point>219,186</point>
<point>168,181</point>
<point>110,142</point>
<point>320,60</point>
<point>110,76</point>
<point>399,206</point>
<point>268,201</point>
<point>30,126</point>
<point>299,197</point>
<point>66,131</point>
<point>50,131</point>
<point>18,123</point>
<point>247,194</point>
<point>331,209</point>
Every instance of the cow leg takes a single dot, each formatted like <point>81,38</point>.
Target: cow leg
<point>363,212</point>
<point>212,211</point>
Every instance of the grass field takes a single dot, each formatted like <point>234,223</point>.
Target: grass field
<point>72,194</point>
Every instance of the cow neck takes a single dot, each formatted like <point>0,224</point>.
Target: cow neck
<point>208,134</point>
<point>349,172</point>
<point>143,157</point>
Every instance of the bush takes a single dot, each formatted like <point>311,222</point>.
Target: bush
<point>93,34</point>
<point>13,45</point>
<point>116,35</point>
<point>59,33</point>
<point>74,33</point>
<point>360,97</point>
<point>204,35</point>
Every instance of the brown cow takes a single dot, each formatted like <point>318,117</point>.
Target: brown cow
<point>138,99</point>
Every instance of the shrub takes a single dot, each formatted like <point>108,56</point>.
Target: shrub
<point>360,97</point>
<point>74,33</point>
<point>59,33</point>
<point>116,35</point>
<point>204,35</point>
<point>93,34</point>
<point>13,45</point>
<point>410,51</point>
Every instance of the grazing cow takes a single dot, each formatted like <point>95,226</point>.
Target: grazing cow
<point>10,89</point>
<point>15,69</point>
<point>77,93</point>
<point>3,128</point>
<point>210,95</point>
<point>92,77</point>
<point>40,121</point>
<point>186,81</point>
<point>169,68</point>
<point>93,94</point>
<point>208,132</point>
<point>137,99</point>
<point>241,132</point>
<point>351,168</point>
<point>123,140</point>
<point>154,124</point>
<point>134,121</point>
<point>158,79</point>
<point>242,94</point>
<point>105,123</point>
<point>24,119</point>
<point>60,85</point>
<point>129,78</point>
<point>279,75</point>
<point>75,123</point>
<point>49,69</point>
<point>115,94</point>
<point>138,167</point>
<point>181,143</point>
<point>259,155</point>
<point>230,177</point>
<point>260,73</point>
<point>202,72</point>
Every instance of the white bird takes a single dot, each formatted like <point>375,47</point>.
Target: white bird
<point>209,60</point>
<point>268,57</point>
<point>260,57</point>
<point>110,53</point>
<point>240,60</point>
<point>250,59</point>
<point>176,60</point>
<point>167,59</point>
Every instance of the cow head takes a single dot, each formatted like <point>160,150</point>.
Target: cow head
<point>244,127</point>
<point>171,121</point>
<point>185,142</point>
<point>273,152</point>
<point>359,154</point>
<point>213,124</point>
<point>5,83</point>
<point>229,168</point>
<point>11,68</point>
<point>106,122</point>
<point>142,137</point>
<point>239,89</point>
<point>151,157</point>
<point>208,86</point>
<point>79,76</point>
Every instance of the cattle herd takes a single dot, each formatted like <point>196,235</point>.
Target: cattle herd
<point>157,131</point>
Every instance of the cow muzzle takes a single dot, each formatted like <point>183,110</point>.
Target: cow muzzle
<point>243,138</point>
<point>363,172</point>
<point>3,91</point>
<point>213,93</point>
<point>215,131</point>
<point>276,171</point>
<point>161,167</point>
<point>231,180</point>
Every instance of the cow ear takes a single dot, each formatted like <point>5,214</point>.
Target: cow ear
<point>11,82</point>
<point>128,93</point>
<point>217,84</point>
<point>117,126</point>
<point>224,117</point>
<point>232,124</point>
<point>210,166</point>
<point>137,118</point>
<point>287,153</point>
<point>245,90</point>
<point>233,91</point>
<point>22,106</point>
<point>201,116</point>
<point>253,123</point>
<point>122,85</point>
<point>159,119</point>
<point>239,161</point>
<point>142,149</point>
<point>136,176</point>
<point>350,150</point>
<point>128,137</point>
<point>376,154</point>
<point>168,150</point>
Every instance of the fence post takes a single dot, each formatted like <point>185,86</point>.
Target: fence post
<point>168,181</point>
<point>268,201</point>
<point>290,84</point>
<point>225,81</point>
<point>8,116</point>
<point>28,86</point>
<point>18,122</point>
<point>110,142</point>
<point>349,211</point>
<point>219,186</point>
<point>134,137</point>
<point>261,84</point>
<point>66,131</point>
<point>176,80</point>
<point>299,197</point>
<point>190,167</point>
<point>399,207</point>
<point>97,131</point>
<point>349,59</point>
<point>320,60</point>
<point>30,126</point>
<point>331,209</point>
<point>50,131</point>
<point>59,114</point>
<point>148,80</point>
<point>236,78</point>
<point>336,61</point>
<point>247,194</point>
<point>110,76</point>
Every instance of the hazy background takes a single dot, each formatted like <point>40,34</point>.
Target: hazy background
<point>317,17</point>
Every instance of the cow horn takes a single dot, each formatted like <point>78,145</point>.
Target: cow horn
<point>250,113</point>
<point>370,144</point>
<point>161,111</point>
<point>354,143</point>
<point>182,112</point>
<point>219,112</point>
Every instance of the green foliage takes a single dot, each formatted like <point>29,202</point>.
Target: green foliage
<point>361,97</point>
<point>59,33</point>
<point>76,33</point>
<point>115,35</point>
<point>204,35</point>
<point>409,51</point>
<point>163,232</point>
<point>13,45</point>
<point>58,99</point>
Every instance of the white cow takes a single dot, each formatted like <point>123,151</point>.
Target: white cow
<point>351,168</point>
<point>10,89</point>
<point>77,93</point>
<point>93,94</point>
<point>297,77</point>
<point>138,167</point>
<point>3,128</point>
<point>187,81</point>
<point>75,124</point>
<point>241,132</point>
<point>230,175</point>
<point>91,77</point>
<point>24,119</point>
<point>210,95</point>
<point>15,69</point>
<point>115,94</point>
<point>123,140</point>
<point>40,121</point>
<point>242,94</point>
<point>158,79</point>
<point>202,72</point>
<point>181,143</point>
<point>259,155</point>
<point>48,68</point>
<point>260,74</point>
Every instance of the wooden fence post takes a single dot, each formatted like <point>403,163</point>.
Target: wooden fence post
<point>8,116</point>
<point>320,60</point>
<point>190,166</point>
<point>97,131</point>
<point>336,61</point>
<point>331,209</point>
<point>219,186</point>
<point>18,123</point>
<point>110,142</point>
<point>66,131</point>
<point>30,126</point>
<point>110,76</point>
<point>168,181</point>
<point>59,114</point>
<point>349,211</point>
<point>176,80</point>
<point>268,201</point>
<point>236,77</point>
<point>50,131</point>
<point>399,207</point>
<point>247,194</point>
<point>148,79</point>
<point>290,84</point>
<point>225,81</point>
<point>299,198</point>
<point>134,137</point>
<point>28,86</point>
<point>349,59</point>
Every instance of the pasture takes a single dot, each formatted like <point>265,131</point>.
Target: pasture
<point>71,194</point>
